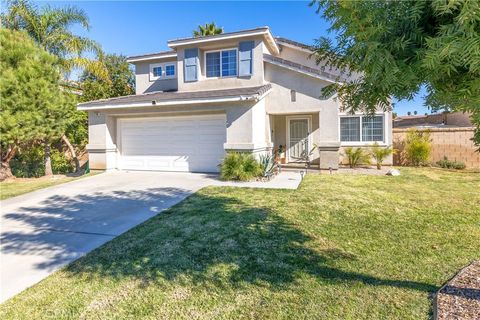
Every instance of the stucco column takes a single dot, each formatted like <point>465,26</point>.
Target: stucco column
<point>329,141</point>
<point>102,150</point>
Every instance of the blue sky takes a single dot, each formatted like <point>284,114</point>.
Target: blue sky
<point>132,28</point>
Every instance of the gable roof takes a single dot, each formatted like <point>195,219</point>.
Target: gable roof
<point>301,68</point>
<point>177,98</point>
<point>265,31</point>
<point>272,42</point>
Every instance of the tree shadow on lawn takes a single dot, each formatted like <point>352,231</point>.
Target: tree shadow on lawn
<point>224,241</point>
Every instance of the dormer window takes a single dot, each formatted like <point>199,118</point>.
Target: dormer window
<point>170,70</point>
<point>159,71</point>
<point>221,63</point>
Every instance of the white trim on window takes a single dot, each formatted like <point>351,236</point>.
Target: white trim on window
<point>163,65</point>
<point>384,142</point>
<point>220,51</point>
<point>151,67</point>
<point>174,70</point>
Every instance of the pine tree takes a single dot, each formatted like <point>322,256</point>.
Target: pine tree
<point>33,108</point>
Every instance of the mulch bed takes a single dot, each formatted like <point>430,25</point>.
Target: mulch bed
<point>459,298</point>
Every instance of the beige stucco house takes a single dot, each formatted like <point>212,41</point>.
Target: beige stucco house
<point>240,91</point>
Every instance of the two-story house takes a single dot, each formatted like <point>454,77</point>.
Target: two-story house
<point>239,91</point>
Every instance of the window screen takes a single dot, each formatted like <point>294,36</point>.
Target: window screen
<point>372,128</point>
<point>350,129</point>
<point>229,63</point>
<point>213,64</point>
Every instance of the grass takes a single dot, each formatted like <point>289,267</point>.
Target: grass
<point>340,247</point>
<point>19,186</point>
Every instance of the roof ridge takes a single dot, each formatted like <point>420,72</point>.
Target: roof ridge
<point>295,43</point>
<point>220,34</point>
<point>301,67</point>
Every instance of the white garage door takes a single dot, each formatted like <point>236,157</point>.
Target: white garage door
<point>187,143</point>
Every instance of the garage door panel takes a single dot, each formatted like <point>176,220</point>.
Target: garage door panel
<point>193,143</point>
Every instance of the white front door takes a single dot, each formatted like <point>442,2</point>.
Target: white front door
<point>180,143</point>
<point>298,142</point>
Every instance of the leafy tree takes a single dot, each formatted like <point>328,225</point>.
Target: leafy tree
<point>209,29</point>
<point>393,48</point>
<point>120,82</point>
<point>33,108</point>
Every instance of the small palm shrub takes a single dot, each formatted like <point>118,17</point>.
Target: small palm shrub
<point>449,164</point>
<point>356,157</point>
<point>379,154</point>
<point>240,166</point>
<point>267,163</point>
<point>417,147</point>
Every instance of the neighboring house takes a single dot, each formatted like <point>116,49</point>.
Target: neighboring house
<point>439,120</point>
<point>241,91</point>
<point>71,87</point>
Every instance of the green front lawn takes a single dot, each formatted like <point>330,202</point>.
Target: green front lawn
<point>20,186</point>
<point>340,247</point>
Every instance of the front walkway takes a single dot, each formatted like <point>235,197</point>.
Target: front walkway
<point>44,230</point>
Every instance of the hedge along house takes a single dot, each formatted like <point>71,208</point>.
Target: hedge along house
<point>241,91</point>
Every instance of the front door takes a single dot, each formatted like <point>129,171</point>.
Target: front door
<point>298,130</point>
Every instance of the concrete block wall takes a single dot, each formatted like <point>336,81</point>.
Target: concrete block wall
<point>453,143</point>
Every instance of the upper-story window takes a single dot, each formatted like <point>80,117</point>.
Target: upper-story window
<point>221,63</point>
<point>361,128</point>
<point>160,71</point>
<point>170,70</point>
<point>157,72</point>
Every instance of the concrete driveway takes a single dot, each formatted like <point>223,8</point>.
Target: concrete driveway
<point>46,229</point>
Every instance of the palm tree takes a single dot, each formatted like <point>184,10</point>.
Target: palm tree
<point>209,29</point>
<point>49,27</point>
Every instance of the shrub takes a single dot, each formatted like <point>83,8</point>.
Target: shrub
<point>448,164</point>
<point>417,147</point>
<point>379,154</point>
<point>240,166</point>
<point>267,163</point>
<point>60,163</point>
<point>29,163</point>
<point>356,156</point>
